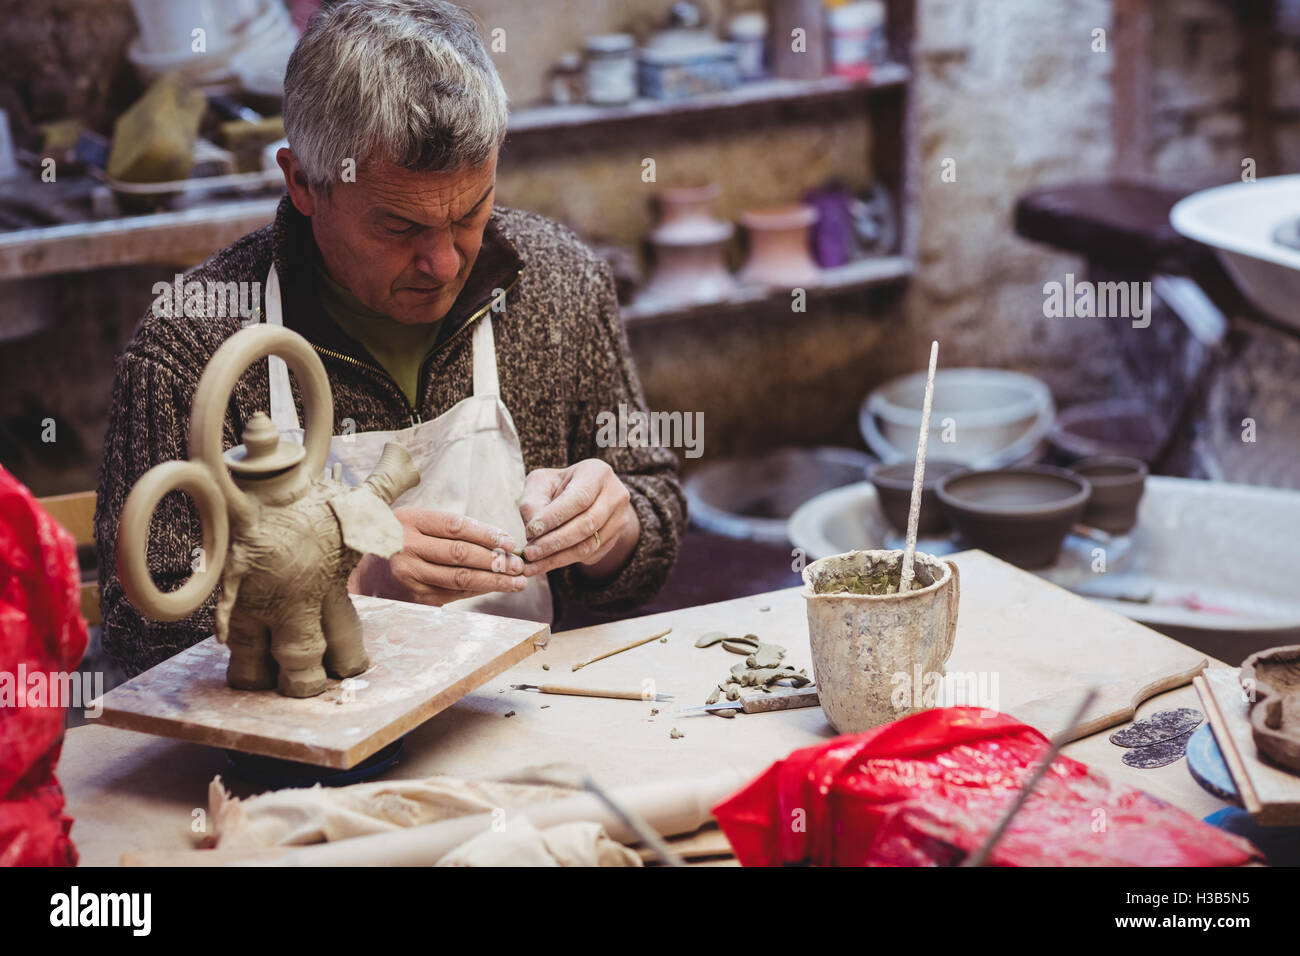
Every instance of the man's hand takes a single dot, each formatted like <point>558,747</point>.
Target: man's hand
<point>444,557</point>
<point>582,515</point>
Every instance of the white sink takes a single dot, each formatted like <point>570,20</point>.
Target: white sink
<point>1239,222</point>
<point>1210,563</point>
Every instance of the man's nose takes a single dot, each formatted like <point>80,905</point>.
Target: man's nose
<point>436,255</point>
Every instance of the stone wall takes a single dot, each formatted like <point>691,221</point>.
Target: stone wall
<point>1014,95</point>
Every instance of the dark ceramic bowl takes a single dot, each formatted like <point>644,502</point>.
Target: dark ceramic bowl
<point>1115,426</point>
<point>1021,515</point>
<point>1117,485</point>
<point>894,492</point>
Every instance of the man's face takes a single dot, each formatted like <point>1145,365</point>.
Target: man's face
<point>401,242</point>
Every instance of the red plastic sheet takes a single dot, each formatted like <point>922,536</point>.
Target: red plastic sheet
<point>926,790</point>
<point>41,631</point>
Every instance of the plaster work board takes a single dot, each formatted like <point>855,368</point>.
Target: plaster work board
<point>1269,793</point>
<point>423,660</point>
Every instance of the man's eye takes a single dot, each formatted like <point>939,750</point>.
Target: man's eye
<point>399,230</point>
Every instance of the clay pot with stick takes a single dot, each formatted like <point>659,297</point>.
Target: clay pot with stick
<point>279,535</point>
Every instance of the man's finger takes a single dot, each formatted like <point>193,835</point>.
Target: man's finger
<point>447,524</point>
<point>539,489</point>
<point>574,532</point>
<point>456,578</point>
<point>454,553</point>
<point>584,551</point>
<point>578,495</point>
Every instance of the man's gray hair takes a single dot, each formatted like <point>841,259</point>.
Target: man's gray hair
<point>402,81</point>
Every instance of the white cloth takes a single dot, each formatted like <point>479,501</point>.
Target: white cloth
<point>469,459</point>
<point>302,817</point>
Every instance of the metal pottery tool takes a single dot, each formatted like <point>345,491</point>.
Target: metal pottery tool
<point>634,822</point>
<point>980,856</point>
<point>758,703</point>
<point>918,477</point>
<point>589,692</point>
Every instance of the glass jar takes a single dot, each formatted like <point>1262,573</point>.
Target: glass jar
<point>611,69</point>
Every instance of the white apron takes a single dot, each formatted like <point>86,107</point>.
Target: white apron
<point>469,459</point>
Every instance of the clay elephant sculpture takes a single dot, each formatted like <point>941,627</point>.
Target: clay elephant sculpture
<point>280,535</point>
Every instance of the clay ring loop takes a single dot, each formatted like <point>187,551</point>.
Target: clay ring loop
<point>133,543</point>
<point>208,413</point>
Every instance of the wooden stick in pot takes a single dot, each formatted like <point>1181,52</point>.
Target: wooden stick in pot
<point>918,478</point>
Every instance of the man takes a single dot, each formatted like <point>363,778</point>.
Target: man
<point>485,339</point>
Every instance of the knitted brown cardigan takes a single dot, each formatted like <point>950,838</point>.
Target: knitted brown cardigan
<point>562,356</point>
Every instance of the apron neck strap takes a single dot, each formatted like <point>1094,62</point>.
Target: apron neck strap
<point>283,412</point>
<point>485,358</point>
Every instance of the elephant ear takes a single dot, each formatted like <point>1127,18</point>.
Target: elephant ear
<point>367,524</point>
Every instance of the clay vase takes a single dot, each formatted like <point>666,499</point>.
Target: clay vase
<point>1117,486</point>
<point>280,536</point>
<point>690,268</point>
<point>689,249</point>
<point>873,654</point>
<point>780,250</point>
<point>686,212</point>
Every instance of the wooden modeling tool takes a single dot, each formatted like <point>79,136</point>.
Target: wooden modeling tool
<point>619,650</point>
<point>589,692</point>
<point>918,477</point>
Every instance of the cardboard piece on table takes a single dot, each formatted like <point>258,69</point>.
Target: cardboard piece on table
<point>423,660</point>
<point>1047,646</point>
<point>1116,702</point>
<point>1268,793</point>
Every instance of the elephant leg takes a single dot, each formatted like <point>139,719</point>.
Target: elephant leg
<point>251,665</point>
<point>345,654</point>
<point>297,646</point>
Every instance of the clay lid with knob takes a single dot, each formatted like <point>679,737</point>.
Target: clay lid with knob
<point>263,453</point>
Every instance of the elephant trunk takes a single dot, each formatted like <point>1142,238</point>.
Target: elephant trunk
<point>394,474</point>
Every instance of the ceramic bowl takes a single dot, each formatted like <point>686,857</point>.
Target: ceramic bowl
<point>1117,485</point>
<point>894,492</point>
<point>1021,515</point>
<point>997,418</point>
<point>1112,427</point>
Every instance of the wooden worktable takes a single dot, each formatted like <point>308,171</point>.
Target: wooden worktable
<point>131,792</point>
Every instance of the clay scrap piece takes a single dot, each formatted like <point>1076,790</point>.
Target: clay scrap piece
<point>676,734</point>
<point>1158,755</point>
<point>761,669</point>
<point>711,638</point>
<point>1271,680</point>
<point>1159,727</point>
<point>766,655</point>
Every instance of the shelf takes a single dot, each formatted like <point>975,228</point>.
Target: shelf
<point>187,236</point>
<point>195,233</point>
<point>855,276</point>
<point>536,119</point>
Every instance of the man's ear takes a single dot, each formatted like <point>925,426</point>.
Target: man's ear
<point>295,181</point>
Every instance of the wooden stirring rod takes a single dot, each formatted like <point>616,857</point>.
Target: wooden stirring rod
<point>918,477</point>
<point>619,650</point>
